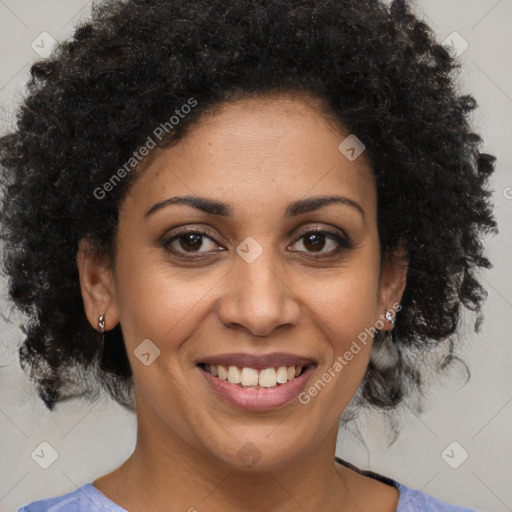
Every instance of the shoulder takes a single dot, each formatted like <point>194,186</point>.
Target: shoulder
<point>409,500</point>
<point>84,499</point>
<point>413,500</point>
<point>66,503</point>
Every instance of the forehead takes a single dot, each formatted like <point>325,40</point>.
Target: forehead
<point>259,151</point>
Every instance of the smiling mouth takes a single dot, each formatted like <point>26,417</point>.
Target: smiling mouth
<point>251,378</point>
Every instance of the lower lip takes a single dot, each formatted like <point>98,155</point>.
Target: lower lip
<point>262,399</point>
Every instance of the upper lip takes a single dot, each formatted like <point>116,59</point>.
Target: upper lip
<point>258,362</point>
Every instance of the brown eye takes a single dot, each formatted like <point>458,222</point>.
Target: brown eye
<point>314,242</point>
<point>188,242</point>
<point>191,242</point>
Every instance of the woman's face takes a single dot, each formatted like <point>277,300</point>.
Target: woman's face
<point>254,284</point>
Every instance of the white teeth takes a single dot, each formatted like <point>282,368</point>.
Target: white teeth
<point>249,377</point>
<point>233,375</point>
<point>223,374</point>
<point>268,378</point>
<point>282,375</point>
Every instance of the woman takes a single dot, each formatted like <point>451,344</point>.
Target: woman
<point>233,217</point>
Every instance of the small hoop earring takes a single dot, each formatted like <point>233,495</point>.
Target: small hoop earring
<point>101,322</point>
<point>101,326</point>
<point>390,317</point>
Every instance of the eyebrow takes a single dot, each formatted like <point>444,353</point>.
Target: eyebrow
<point>294,209</point>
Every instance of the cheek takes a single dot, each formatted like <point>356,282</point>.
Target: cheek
<point>159,304</point>
<point>347,304</point>
<point>345,309</point>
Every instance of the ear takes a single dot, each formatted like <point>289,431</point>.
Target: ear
<point>392,283</point>
<point>96,285</point>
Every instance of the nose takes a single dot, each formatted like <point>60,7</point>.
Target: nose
<point>258,298</point>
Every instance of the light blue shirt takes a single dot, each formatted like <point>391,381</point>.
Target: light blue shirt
<point>89,499</point>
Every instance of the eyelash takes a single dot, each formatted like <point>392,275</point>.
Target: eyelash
<point>343,243</point>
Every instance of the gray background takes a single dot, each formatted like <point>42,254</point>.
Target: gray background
<point>92,439</point>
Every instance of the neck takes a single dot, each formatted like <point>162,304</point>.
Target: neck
<point>167,470</point>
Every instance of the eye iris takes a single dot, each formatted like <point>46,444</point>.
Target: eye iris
<point>191,242</point>
<point>317,242</point>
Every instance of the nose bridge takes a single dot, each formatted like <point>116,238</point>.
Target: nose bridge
<point>255,264</point>
<point>259,279</point>
<point>258,297</point>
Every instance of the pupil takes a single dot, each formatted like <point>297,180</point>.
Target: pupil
<point>318,241</point>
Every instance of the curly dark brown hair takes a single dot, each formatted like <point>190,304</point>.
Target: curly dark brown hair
<point>96,99</point>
